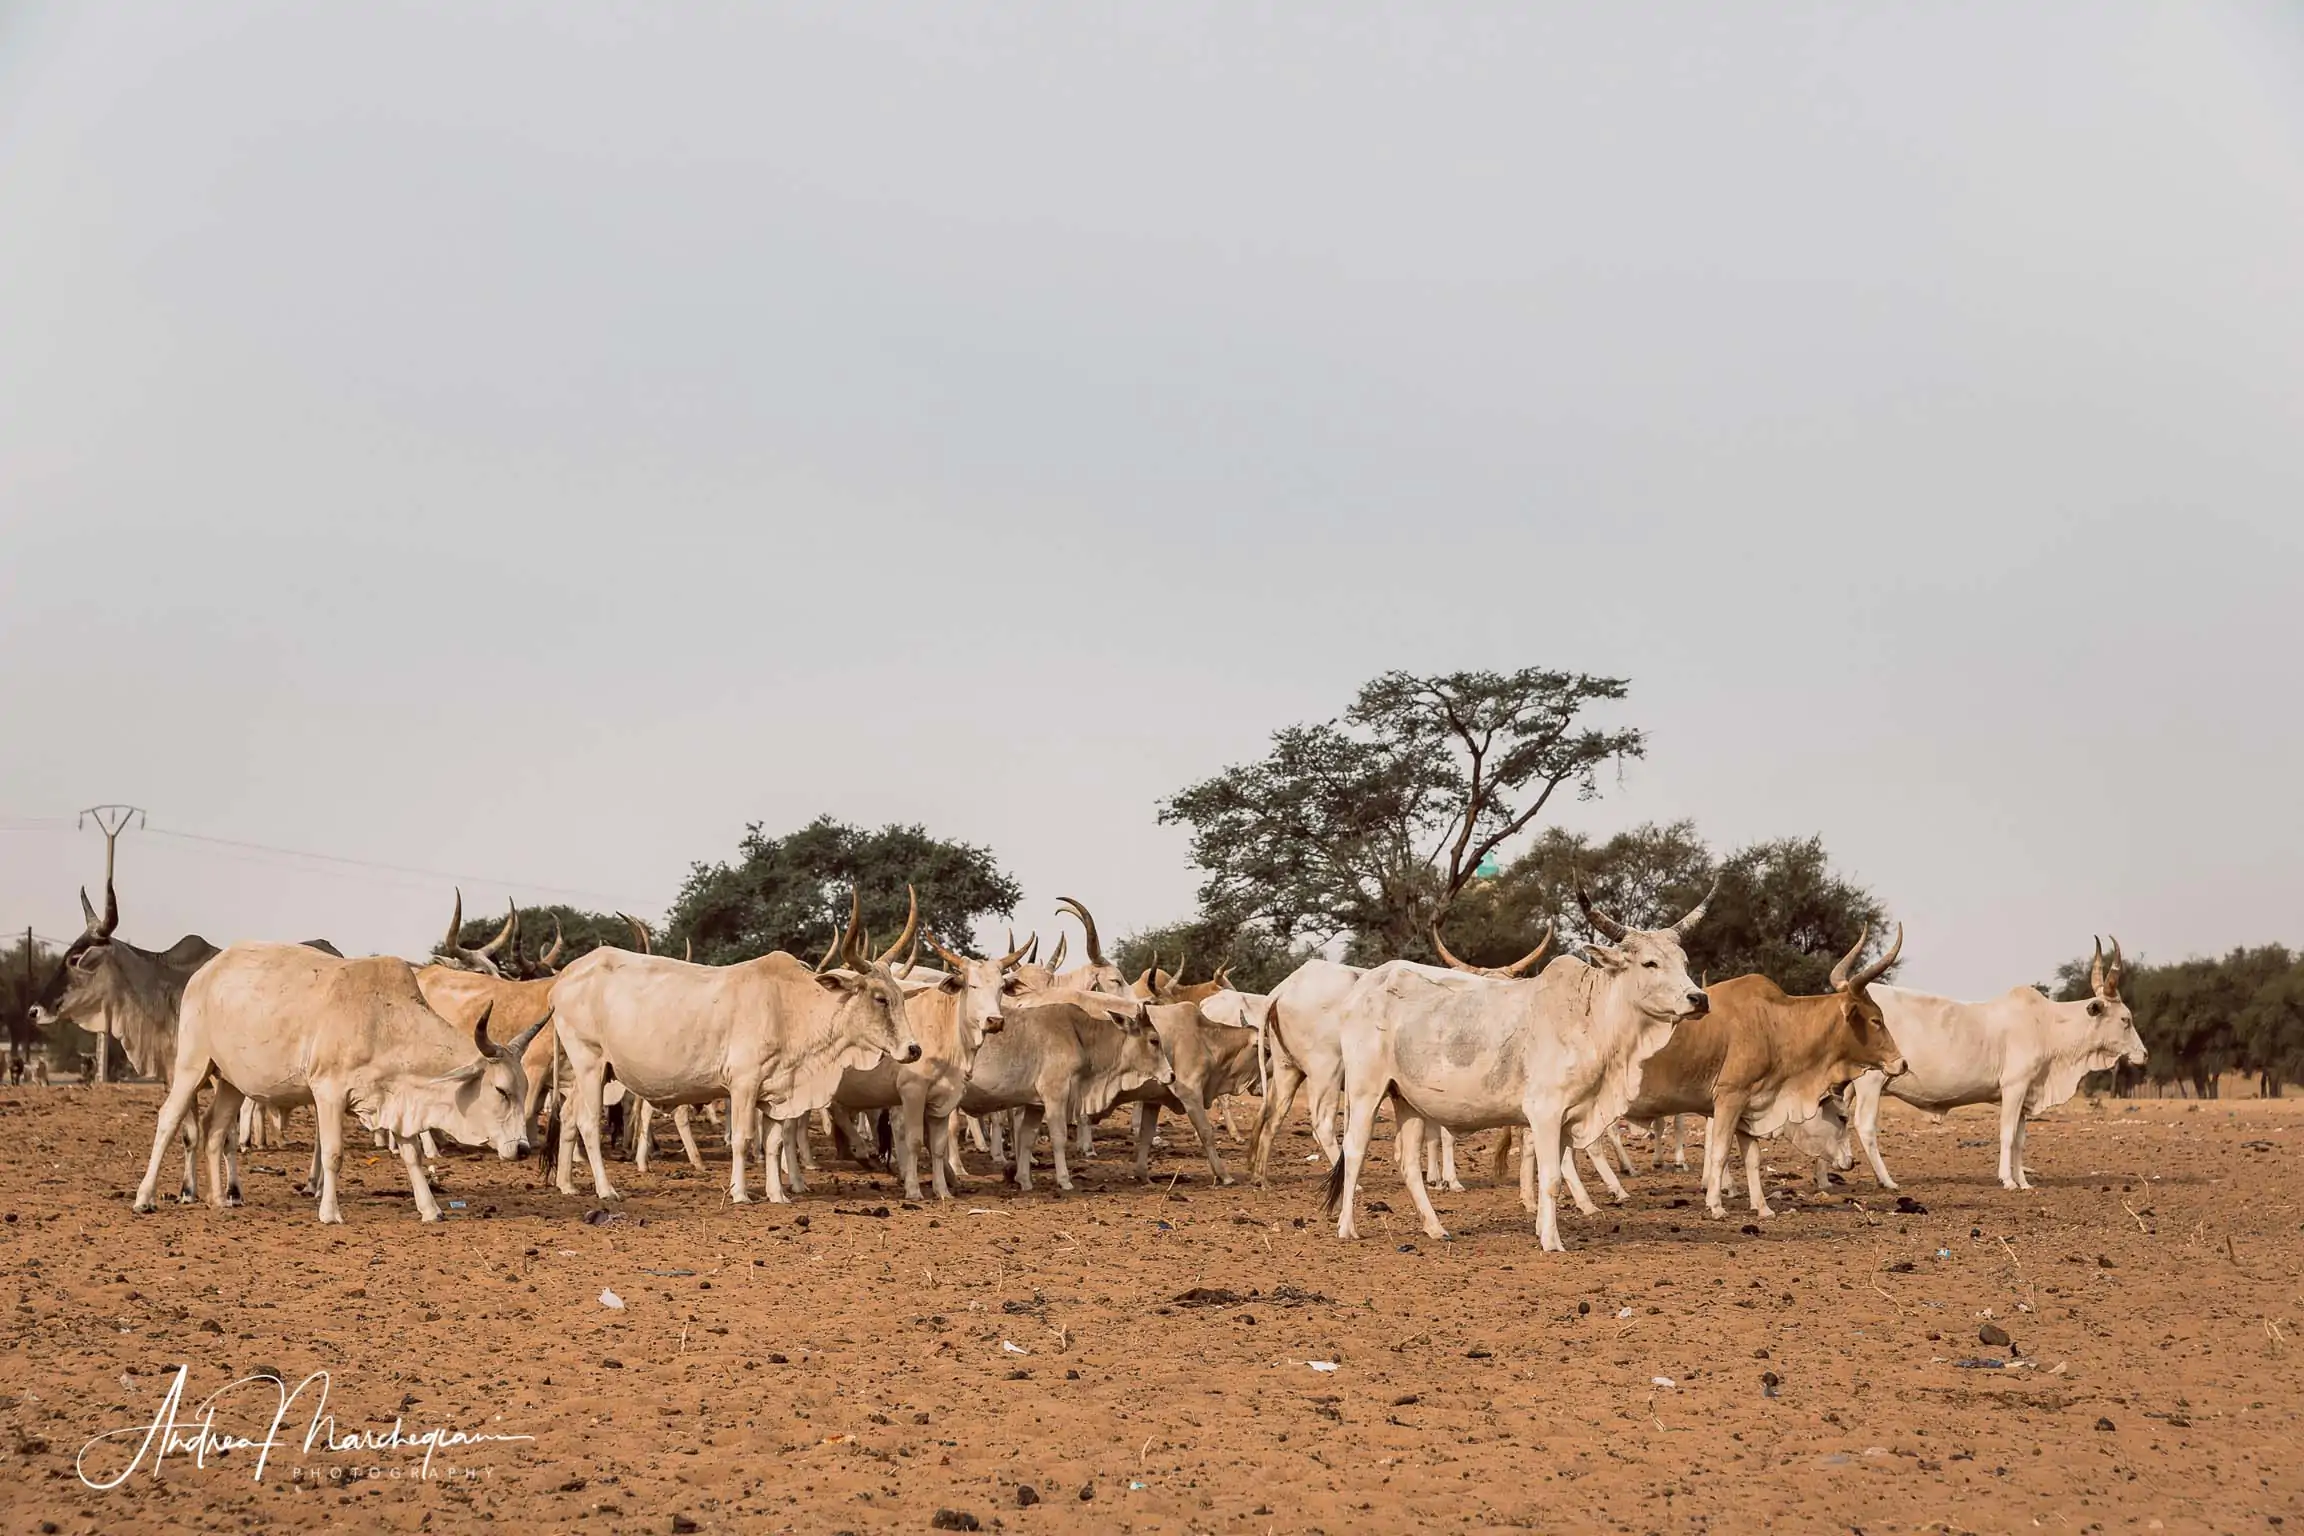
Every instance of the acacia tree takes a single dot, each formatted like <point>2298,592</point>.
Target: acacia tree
<point>1368,826</point>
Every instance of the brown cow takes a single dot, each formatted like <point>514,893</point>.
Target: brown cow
<point>1760,1061</point>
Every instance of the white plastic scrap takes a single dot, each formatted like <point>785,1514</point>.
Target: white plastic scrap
<point>1014,1349</point>
<point>612,1301</point>
<point>1321,1365</point>
<point>1662,1381</point>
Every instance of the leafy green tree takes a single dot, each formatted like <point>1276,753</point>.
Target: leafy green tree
<point>1780,910</point>
<point>1365,827</point>
<point>2202,1018</point>
<point>791,892</point>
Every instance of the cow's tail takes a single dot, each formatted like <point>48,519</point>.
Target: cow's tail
<point>1502,1157</point>
<point>1334,1201</point>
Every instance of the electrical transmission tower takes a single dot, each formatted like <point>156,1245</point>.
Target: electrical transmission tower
<point>111,820</point>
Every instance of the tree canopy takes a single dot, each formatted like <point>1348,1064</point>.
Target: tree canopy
<point>1781,910</point>
<point>791,892</point>
<point>1365,827</point>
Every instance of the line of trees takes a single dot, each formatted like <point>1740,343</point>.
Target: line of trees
<point>2204,1018</point>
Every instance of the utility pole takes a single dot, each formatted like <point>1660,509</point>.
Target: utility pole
<point>111,820</point>
<point>31,990</point>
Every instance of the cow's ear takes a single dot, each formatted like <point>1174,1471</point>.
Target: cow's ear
<point>1606,958</point>
<point>2095,1007</point>
<point>469,1072</point>
<point>837,981</point>
<point>1013,986</point>
<point>950,983</point>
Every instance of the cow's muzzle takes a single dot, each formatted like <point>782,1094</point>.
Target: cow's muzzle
<point>1896,1068</point>
<point>1698,1005</point>
<point>911,1051</point>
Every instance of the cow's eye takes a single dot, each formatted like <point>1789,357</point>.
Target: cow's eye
<point>1650,965</point>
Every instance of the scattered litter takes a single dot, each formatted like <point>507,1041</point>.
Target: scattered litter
<point>1907,1206</point>
<point>978,1210</point>
<point>1623,1311</point>
<point>455,1205</point>
<point>612,1301</point>
<point>1013,1348</point>
<point>1134,1486</point>
<point>1979,1365</point>
<point>1209,1296</point>
<point>1322,1365</point>
<point>601,1217</point>
<point>668,1274</point>
<point>1161,1226</point>
<point>1662,1381</point>
<point>1943,1253</point>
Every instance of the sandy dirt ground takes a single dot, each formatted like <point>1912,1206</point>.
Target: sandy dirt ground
<point>855,1364</point>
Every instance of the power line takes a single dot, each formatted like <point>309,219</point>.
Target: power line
<point>452,876</point>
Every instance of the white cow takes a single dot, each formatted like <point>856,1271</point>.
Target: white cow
<point>770,1032</point>
<point>951,1012</point>
<point>1559,1054</point>
<point>289,1025</point>
<point>2018,1050</point>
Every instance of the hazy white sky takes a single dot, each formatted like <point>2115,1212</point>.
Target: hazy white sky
<point>533,441</point>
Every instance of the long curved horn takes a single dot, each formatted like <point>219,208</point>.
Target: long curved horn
<point>111,909</point>
<point>911,927</point>
<point>912,955</point>
<point>550,959</point>
<point>2115,972</point>
<point>480,1028</point>
<point>1095,944</point>
<point>1847,962</point>
<point>1879,967</point>
<point>1056,957</point>
<point>1601,923</point>
<point>640,934</point>
<point>2096,969</point>
<point>88,912</point>
<point>1696,913</point>
<point>688,949</point>
<point>831,954</point>
<point>1520,966</point>
<point>454,944</point>
<point>503,934</point>
<point>953,962</point>
<point>855,928</point>
<point>1008,961</point>
<point>1450,959</point>
<point>519,1042</point>
<point>1176,976</point>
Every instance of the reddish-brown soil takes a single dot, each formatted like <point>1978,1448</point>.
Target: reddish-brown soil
<point>854,1372</point>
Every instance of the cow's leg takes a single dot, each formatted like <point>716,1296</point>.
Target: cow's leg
<point>221,1122</point>
<point>591,1088</point>
<point>999,1131</point>
<point>1527,1169</point>
<point>797,1160</point>
<point>251,1123</point>
<point>1414,1137</point>
<point>1326,1097</point>
<point>1597,1154</point>
<point>1448,1179</point>
<point>1027,1133</point>
<point>1680,1142</point>
<point>938,1131</point>
<point>684,1121</point>
<point>743,1128</point>
<point>1224,1108</point>
<point>1147,1121</point>
<point>774,1158</point>
<point>955,1166</point>
<point>644,1139</point>
<point>2012,1136</point>
<point>976,1135</point>
<point>2023,1139</point>
<point>806,1151</point>
<point>173,1109</point>
<point>1623,1158</point>
<point>1344,1176</point>
<point>189,1189</point>
<point>1057,1112</point>
<point>427,1208</point>
<point>328,1109</point>
<point>1719,1142</point>
<point>1544,1130</point>
<point>1576,1190</point>
<point>1729,1188</point>
<point>1279,1097</point>
<point>1759,1186</point>
<point>1195,1112</point>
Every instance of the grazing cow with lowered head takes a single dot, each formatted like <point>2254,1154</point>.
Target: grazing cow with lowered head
<point>1058,1062</point>
<point>289,1025</point>
<point>2018,1050</point>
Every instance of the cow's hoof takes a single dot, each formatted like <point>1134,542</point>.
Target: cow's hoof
<point>1764,1213</point>
<point>143,1207</point>
<point>1227,1181</point>
<point>1453,1188</point>
<point>428,1217</point>
<point>188,1197</point>
<point>739,1199</point>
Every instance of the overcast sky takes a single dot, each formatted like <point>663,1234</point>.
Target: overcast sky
<point>531,442</point>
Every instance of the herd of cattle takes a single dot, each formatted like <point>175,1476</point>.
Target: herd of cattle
<point>998,1048</point>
